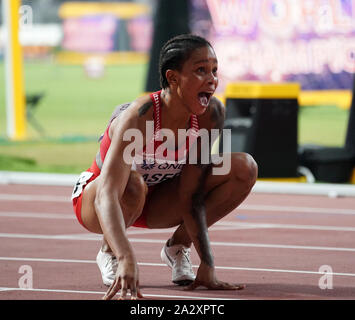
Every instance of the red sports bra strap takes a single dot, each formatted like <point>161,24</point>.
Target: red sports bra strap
<point>194,123</point>
<point>155,96</point>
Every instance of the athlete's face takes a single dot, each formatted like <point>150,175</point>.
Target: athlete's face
<point>197,80</point>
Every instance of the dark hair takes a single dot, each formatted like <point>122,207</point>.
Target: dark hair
<point>176,51</point>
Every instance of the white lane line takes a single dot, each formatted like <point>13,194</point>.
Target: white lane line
<point>32,178</point>
<point>262,207</point>
<point>144,240</point>
<point>220,225</point>
<point>132,230</point>
<point>103,293</point>
<point>81,237</point>
<point>215,227</point>
<point>46,260</point>
<point>150,264</point>
<point>37,215</point>
<point>33,197</point>
<point>249,207</point>
<point>284,226</point>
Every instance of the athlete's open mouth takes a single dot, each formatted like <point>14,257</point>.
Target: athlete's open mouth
<point>204,98</point>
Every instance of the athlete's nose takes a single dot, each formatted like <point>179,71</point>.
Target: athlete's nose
<point>212,80</point>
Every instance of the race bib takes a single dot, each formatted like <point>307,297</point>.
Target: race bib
<point>82,181</point>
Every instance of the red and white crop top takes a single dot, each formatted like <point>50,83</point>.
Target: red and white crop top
<point>160,163</point>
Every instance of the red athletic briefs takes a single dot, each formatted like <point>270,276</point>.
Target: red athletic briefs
<point>140,222</point>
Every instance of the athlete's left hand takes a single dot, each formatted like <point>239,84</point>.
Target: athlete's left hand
<point>206,277</point>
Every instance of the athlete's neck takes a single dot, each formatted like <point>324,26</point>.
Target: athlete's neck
<point>175,113</point>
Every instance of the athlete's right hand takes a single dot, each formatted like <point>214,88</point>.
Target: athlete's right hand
<point>126,279</point>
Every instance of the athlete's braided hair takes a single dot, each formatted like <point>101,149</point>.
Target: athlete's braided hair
<point>176,51</point>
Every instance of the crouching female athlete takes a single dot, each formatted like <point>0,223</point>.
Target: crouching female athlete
<point>117,192</point>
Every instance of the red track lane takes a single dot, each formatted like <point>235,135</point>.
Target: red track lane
<point>275,244</point>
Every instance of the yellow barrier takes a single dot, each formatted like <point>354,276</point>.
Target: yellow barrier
<point>121,57</point>
<point>340,98</point>
<point>123,10</point>
<point>250,90</point>
<point>266,92</point>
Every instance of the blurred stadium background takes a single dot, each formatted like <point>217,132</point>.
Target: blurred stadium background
<point>82,58</point>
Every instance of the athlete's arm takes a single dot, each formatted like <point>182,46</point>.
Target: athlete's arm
<point>194,216</point>
<point>112,183</point>
<point>194,178</point>
<point>197,174</point>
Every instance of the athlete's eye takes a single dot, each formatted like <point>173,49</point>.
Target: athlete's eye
<point>201,70</point>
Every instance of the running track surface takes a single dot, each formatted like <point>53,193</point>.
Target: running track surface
<point>279,246</point>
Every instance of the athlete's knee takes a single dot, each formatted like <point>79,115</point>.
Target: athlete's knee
<point>244,169</point>
<point>133,199</point>
<point>136,187</point>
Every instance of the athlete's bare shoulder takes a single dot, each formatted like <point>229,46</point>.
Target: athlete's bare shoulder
<point>141,107</point>
<point>214,116</point>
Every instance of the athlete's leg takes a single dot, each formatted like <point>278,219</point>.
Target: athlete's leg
<point>132,204</point>
<point>222,194</point>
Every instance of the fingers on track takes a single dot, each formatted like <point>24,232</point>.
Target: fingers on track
<point>121,284</point>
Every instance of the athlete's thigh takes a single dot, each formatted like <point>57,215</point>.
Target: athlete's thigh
<point>88,211</point>
<point>164,208</point>
<point>132,202</point>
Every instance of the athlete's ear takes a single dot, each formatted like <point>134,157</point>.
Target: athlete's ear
<point>171,76</point>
